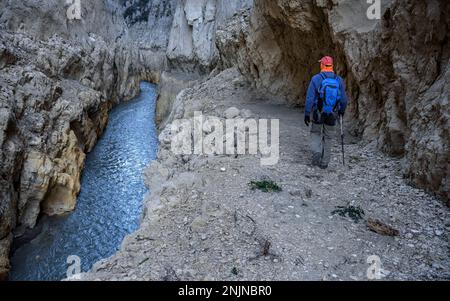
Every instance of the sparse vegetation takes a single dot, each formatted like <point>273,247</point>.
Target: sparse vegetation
<point>265,186</point>
<point>355,213</point>
<point>355,159</point>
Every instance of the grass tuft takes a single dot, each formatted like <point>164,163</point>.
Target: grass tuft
<point>265,186</point>
<point>355,213</point>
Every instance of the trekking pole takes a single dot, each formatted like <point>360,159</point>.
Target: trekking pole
<point>342,140</point>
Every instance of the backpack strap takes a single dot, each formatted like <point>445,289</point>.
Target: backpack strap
<point>323,78</point>
<point>336,77</point>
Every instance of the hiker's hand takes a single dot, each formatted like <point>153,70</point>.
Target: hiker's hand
<point>307,120</point>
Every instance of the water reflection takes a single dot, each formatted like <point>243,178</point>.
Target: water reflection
<point>110,202</point>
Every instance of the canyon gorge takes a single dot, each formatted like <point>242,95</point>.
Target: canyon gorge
<point>59,79</point>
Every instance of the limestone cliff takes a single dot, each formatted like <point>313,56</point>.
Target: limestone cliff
<point>59,78</point>
<point>192,45</point>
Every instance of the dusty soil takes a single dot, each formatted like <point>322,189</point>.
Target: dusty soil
<point>203,222</point>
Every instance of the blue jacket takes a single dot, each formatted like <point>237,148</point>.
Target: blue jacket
<point>312,95</point>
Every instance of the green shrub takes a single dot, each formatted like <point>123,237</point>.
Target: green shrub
<point>355,213</point>
<point>265,186</point>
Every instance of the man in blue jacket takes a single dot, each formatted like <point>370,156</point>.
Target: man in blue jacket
<point>323,124</point>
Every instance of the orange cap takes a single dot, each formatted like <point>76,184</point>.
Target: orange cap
<point>327,61</point>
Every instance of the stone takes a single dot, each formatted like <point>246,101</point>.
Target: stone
<point>5,244</point>
<point>198,224</point>
<point>246,114</point>
<point>231,113</point>
<point>438,232</point>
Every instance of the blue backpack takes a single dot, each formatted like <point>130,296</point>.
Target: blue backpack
<point>329,94</point>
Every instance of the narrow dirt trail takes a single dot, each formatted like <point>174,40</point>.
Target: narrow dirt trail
<point>302,227</point>
<point>203,222</point>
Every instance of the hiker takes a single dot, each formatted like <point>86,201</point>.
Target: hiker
<point>325,99</point>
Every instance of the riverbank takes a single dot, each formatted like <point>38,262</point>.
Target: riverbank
<point>203,222</point>
<point>54,103</point>
<point>110,202</point>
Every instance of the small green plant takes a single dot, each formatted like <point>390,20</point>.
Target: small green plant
<point>234,271</point>
<point>265,186</point>
<point>355,213</point>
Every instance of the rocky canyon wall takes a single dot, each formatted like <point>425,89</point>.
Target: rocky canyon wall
<point>395,68</point>
<point>58,80</point>
<point>191,50</point>
<point>60,77</point>
<point>192,46</point>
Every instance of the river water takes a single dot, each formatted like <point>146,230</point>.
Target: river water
<point>110,202</point>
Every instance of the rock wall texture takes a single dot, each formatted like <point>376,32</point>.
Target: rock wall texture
<point>149,22</point>
<point>192,46</point>
<point>396,69</point>
<point>58,80</point>
<point>53,106</point>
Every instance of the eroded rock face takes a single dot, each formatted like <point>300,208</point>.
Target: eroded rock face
<point>54,101</point>
<point>171,83</point>
<point>427,149</point>
<point>58,80</point>
<point>276,55</point>
<point>395,69</point>
<point>149,21</point>
<point>42,19</point>
<point>192,43</point>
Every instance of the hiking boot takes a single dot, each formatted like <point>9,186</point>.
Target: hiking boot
<point>323,166</point>
<point>316,159</point>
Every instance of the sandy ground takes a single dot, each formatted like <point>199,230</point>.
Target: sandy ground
<point>203,222</point>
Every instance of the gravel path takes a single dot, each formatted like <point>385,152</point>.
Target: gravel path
<point>203,222</point>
